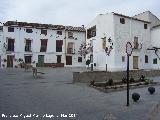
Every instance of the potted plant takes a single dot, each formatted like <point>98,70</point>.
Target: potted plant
<point>135,97</point>
<point>124,80</point>
<point>151,90</point>
<point>142,78</point>
<point>4,60</point>
<point>92,82</point>
<point>3,65</point>
<point>110,82</point>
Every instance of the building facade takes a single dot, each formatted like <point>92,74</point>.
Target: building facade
<point>108,35</point>
<point>43,45</point>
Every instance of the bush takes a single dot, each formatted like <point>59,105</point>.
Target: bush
<point>124,80</point>
<point>132,79</point>
<point>135,97</point>
<point>88,62</point>
<point>151,90</point>
<point>110,82</point>
<point>142,78</point>
<point>92,82</point>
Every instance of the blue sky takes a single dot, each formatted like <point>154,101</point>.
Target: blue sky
<point>71,12</point>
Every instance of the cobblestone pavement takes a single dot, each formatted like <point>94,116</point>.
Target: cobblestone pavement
<point>53,93</point>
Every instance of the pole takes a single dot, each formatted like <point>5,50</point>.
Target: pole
<point>127,80</point>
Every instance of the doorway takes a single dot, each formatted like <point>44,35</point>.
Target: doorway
<point>58,58</point>
<point>40,60</point>
<point>9,60</point>
<point>135,62</point>
<point>68,60</point>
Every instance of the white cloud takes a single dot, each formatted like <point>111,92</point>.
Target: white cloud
<point>71,12</point>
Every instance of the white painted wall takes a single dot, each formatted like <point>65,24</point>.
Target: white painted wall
<point>108,25</point>
<point>20,35</point>
<point>155,33</point>
<point>125,33</point>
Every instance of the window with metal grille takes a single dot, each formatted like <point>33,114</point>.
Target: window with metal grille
<point>122,20</point>
<point>145,26</point>
<point>29,30</point>
<point>43,45</point>
<point>70,34</point>
<point>79,59</point>
<point>28,46</point>
<point>146,58</point>
<point>10,45</point>
<point>28,59</point>
<point>155,61</point>
<point>59,44</point>
<point>10,29</point>
<point>59,32</point>
<point>43,31</point>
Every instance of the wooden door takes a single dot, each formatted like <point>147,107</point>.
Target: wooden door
<point>135,62</point>
<point>40,60</point>
<point>58,58</point>
<point>9,61</point>
<point>68,60</point>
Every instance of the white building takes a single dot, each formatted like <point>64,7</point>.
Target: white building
<point>109,33</point>
<point>41,44</point>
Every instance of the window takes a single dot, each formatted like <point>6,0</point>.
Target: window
<point>59,44</point>
<point>70,34</point>
<point>29,30</point>
<point>122,20</point>
<point>155,61</point>
<point>70,48</point>
<point>28,46</point>
<point>28,59</point>
<point>104,43</point>
<point>1,28</point>
<point>79,59</point>
<point>58,58</point>
<point>10,29</point>
<point>59,32</point>
<point>43,45</point>
<point>136,43</point>
<point>146,58</point>
<point>43,31</point>
<point>10,45</point>
<point>123,58</point>
<point>145,26</point>
<point>91,32</point>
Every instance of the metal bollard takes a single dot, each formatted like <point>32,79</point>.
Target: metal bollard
<point>91,67</point>
<point>106,67</point>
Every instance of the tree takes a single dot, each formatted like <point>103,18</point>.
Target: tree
<point>88,62</point>
<point>85,49</point>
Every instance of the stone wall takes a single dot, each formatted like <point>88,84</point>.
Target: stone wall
<point>100,76</point>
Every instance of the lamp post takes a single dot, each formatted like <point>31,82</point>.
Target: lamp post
<point>129,52</point>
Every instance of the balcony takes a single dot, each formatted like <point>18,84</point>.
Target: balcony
<point>28,49</point>
<point>70,51</point>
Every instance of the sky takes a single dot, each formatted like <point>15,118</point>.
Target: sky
<point>71,12</point>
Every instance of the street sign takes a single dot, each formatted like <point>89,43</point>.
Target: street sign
<point>129,53</point>
<point>129,48</point>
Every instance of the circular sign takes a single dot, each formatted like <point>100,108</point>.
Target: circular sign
<point>129,48</point>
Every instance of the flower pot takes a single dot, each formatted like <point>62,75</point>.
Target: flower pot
<point>135,97</point>
<point>151,90</point>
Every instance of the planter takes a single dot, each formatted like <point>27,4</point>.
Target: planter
<point>151,90</point>
<point>135,97</point>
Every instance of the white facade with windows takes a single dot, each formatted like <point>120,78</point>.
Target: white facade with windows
<point>40,44</point>
<point>109,33</point>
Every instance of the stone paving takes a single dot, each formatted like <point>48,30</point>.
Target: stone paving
<point>53,93</point>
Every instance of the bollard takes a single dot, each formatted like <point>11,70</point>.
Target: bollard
<point>106,67</point>
<point>91,67</point>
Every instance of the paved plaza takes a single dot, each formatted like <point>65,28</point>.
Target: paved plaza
<point>54,94</point>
